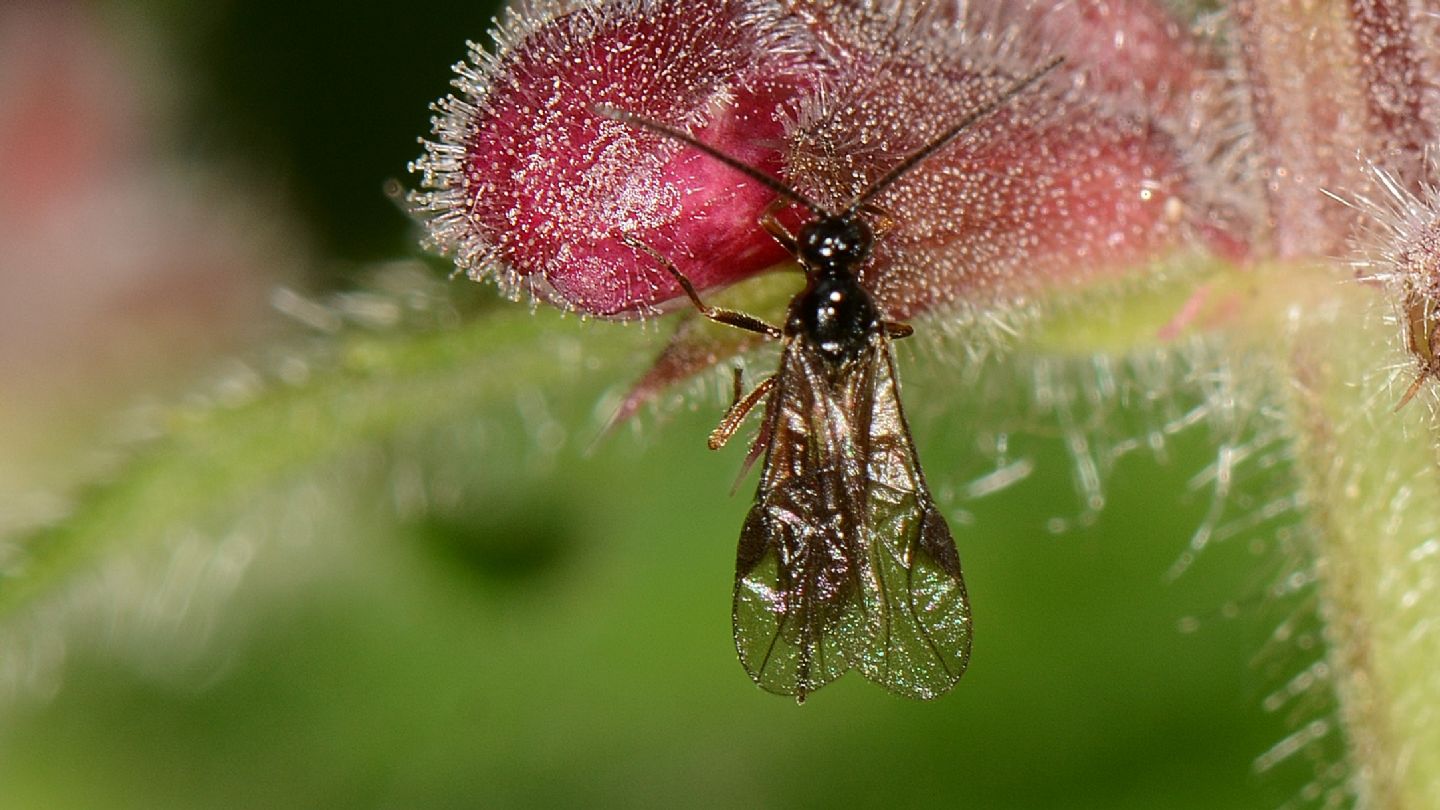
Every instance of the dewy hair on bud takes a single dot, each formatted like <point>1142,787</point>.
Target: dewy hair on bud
<point>526,184</point>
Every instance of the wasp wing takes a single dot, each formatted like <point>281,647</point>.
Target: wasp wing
<point>844,561</point>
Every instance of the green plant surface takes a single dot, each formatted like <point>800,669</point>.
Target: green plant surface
<point>550,624</point>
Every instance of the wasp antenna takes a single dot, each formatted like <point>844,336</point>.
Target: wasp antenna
<point>919,155</point>
<point>636,120</point>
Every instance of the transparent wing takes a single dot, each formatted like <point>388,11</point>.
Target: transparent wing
<point>844,561</point>
<point>792,590</point>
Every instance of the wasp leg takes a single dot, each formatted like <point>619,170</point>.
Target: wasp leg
<point>738,410</point>
<point>729,317</point>
<point>896,330</point>
<point>882,222</point>
<point>737,387</point>
<point>1411,392</point>
<point>1422,332</point>
<point>776,228</point>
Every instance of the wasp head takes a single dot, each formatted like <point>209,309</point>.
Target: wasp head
<point>834,244</point>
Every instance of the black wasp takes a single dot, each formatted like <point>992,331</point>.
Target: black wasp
<point>844,561</point>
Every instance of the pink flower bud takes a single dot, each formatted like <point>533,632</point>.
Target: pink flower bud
<point>526,183</point>
<point>1075,178</point>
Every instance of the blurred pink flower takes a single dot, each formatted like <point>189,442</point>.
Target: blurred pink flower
<point>115,258</point>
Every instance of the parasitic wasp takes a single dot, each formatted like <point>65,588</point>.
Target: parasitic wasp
<point>844,560</point>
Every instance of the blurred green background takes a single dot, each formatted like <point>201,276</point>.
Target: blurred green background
<point>549,626</point>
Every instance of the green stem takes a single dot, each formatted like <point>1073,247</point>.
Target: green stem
<point>1374,489</point>
<point>1369,473</point>
<point>382,385</point>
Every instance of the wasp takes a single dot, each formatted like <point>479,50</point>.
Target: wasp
<point>844,560</point>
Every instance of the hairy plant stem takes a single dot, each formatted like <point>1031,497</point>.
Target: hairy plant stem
<point>1370,476</point>
<point>1331,80</point>
<point>381,384</point>
<point>1374,489</point>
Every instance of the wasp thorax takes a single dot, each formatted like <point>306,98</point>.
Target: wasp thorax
<point>836,315</point>
<point>835,242</point>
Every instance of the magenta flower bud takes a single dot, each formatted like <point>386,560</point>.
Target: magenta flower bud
<point>526,184</point>
<point>1079,176</point>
